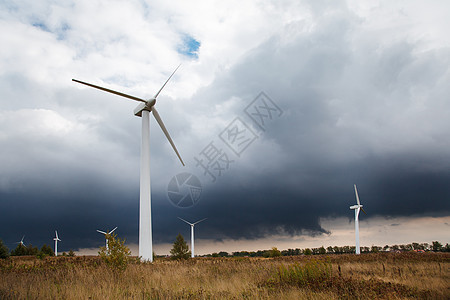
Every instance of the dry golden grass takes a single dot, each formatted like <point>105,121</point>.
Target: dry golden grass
<point>389,276</point>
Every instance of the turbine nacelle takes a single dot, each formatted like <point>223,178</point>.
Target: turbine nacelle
<point>144,106</point>
<point>356,206</point>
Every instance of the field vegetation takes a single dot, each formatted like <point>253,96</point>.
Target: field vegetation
<point>406,275</point>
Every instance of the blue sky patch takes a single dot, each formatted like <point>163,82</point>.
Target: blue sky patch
<point>189,46</point>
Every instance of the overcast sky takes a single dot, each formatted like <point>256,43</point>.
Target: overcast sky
<point>278,108</point>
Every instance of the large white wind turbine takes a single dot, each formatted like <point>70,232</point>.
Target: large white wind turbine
<point>192,233</point>
<point>106,234</point>
<point>357,208</point>
<point>56,239</point>
<point>143,110</point>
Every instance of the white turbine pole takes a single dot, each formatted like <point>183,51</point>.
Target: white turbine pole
<point>145,221</point>
<point>357,208</point>
<point>192,241</point>
<point>358,251</point>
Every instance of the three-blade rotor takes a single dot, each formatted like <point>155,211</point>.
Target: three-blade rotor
<point>21,241</point>
<point>105,233</point>
<point>56,238</point>
<point>357,199</point>
<point>192,224</point>
<point>148,105</point>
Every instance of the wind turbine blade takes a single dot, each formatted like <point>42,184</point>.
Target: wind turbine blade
<point>112,230</point>
<point>161,124</point>
<point>200,221</point>
<point>166,82</point>
<point>185,221</point>
<point>56,234</point>
<point>356,193</point>
<point>363,210</point>
<point>111,91</point>
<point>101,231</point>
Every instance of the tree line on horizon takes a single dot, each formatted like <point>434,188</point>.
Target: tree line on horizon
<point>180,250</point>
<point>30,250</point>
<point>435,246</point>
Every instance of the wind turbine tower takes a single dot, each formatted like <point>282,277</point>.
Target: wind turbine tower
<point>106,234</point>
<point>357,208</point>
<point>192,233</point>
<point>143,110</point>
<point>56,239</point>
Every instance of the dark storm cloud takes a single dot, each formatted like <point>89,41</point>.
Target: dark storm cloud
<point>76,214</point>
<point>271,203</point>
<point>353,113</point>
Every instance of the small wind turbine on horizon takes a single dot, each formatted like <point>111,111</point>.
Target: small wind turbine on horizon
<point>21,241</point>
<point>357,208</point>
<point>143,110</point>
<point>56,239</point>
<point>106,235</point>
<point>192,233</point>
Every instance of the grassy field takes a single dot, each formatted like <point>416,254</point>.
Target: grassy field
<point>368,276</point>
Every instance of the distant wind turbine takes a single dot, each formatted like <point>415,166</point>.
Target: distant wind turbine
<point>192,233</point>
<point>145,216</point>
<point>56,239</point>
<point>357,208</point>
<point>106,234</point>
<point>21,241</point>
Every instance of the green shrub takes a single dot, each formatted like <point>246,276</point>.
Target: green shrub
<point>180,249</point>
<point>274,252</point>
<point>117,254</point>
